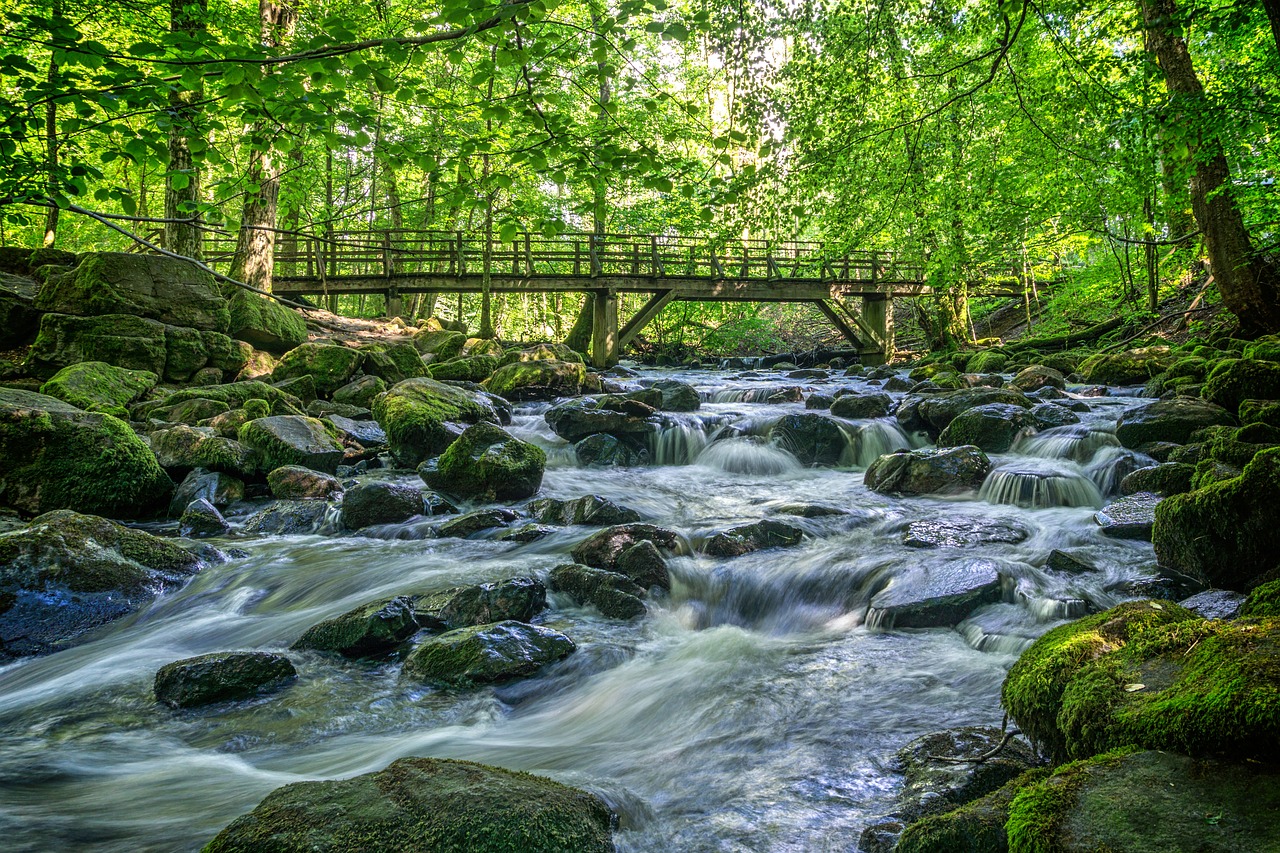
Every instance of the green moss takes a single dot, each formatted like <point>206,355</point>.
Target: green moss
<point>293,440</point>
<point>1234,380</point>
<point>444,344</point>
<point>1039,810</point>
<point>1260,412</point>
<point>538,380</point>
<point>236,395</point>
<point>487,463</point>
<point>483,346</point>
<point>474,369</point>
<point>98,386</point>
<point>976,827</point>
<point>1264,349</point>
<point>1187,367</point>
<point>543,352</point>
<point>987,361</point>
<point>264,323</point>
<point>417,415</point>
<point>1263,602</point>
<point>1032,691</point>
<point>329,366</point>
<point>393,362</point>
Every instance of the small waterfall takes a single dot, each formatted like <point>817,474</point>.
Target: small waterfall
<point>1113,464</point>
<point>1077,442</point>
<point>1038,485</point>
<point>744,455</point>
<point>874,439</point>
<point>678,442</point>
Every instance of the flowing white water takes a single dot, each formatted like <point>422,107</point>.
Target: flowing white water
<point>753,709</point>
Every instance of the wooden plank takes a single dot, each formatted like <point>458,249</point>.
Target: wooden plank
<point>604,330</point>
<point>842,327</point>
<point>644,317</point>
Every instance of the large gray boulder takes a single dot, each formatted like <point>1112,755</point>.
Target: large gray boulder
<point>812,438</point>
<point>1169,420</point>
<point>292,440</point>
<point>922,472</point>
<point>485,654</point>
<point>936,594</point>
<point>221,677</point>
<point>367,504</point>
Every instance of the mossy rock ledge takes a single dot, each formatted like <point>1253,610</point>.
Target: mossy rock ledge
<point>541,380</point>
<point>422,417</point>
<point>487,463</point>
<point>424,805</point>
<point>100,387</point>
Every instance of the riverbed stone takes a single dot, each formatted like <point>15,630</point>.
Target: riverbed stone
<point>364,432</point>
<point>221,677</point>
<point>746,538</point>
<point>932,413</point>
<point>643,563</point>
<point>540,380</point>
<point>471,523</point>
<point>201,519</point>
<point>588,509</point>
<point>613,594</point>
<point>922,472</point>
<point>370,503</point>
<point>297,483</point>
<point>360,391</point>
<point>369,630</point>
<point>860,406</point>
<point>264,323</point>
<point>289,518</point>
<point>422,417</point>
<point>484,654</point>
<point>99,387</point>
<point>1131,367</point>
<point>393,362</point>
<point>329,366</point>
<point>1037,376</point>
<point>1215,603</point>
<point>936,594</point>
<point>940,533</point>
<point>813,439</point>
<point>183,448</point>
<point>172,291</point>
<point>678,396</point>
<point>424,804</point>
<point>1130,517</point>
<point>56,456</point>
<point>519,599</point>
<point>487,463</point>
<point>217,488</point>
<point>1233,381</point>
<point>292,440</point>
<point>575,420</point>
<point>1071,564</point>
<point>1167,478</point>
<point>1170,420</point>
<point>67,573</point>
<point>1227,534</point>
<point>992,427</point>
<point>603,549</point>
<point>607,451</point>
<point>1050,415</point>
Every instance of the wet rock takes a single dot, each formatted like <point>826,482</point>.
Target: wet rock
<point>183,448</point>
<point>747,538</point>
<point>1215,603</point>
<point>813,439</point>
<point>932,413</point>
<point>1050,415</point>
<point>19,318</point>
<point>589,509</point>
<point>525,533</point>
<point>803,510</point>
<point>678,396</point>
<point>472,523</point>
<point>1038,376</point>
<point>484,654</point>
<point>602,550</point>
<point>221,677</point>
<point>366,433</point>
<point>1130,517</point>
<point>962,534</point>
<point>66,574</point>
<point>292,440</point>
<point>217,488</point>
<point>99,387</point>
<point>1061,561</point>
<point>1233,381</point>
<point>56,456</point>
<point>424,804</point>
<point>422,417</point>
<point>366,631</point>
<point>897,383</point>
<point>201,519</point>
<point>367,504</point>
<point>644,565</point>
<point>936,594</point>
<point>519,599</point>
<point>540,380</point>
<point>860,406</point>
<point>992,428</point>
<point>487,463</point>
<point>977,827</point>
<point>1169,478</point>
<point>296,483</point>
<point>921,472</point>
<point>818,401</point>
<point>606,451</point>
<point>1169,420</point>
<point>288,518</point>
<point>1132,367</point>
<point>613,594</point>
<point>360,391</point>
<point>264,323</point>
<point>577,419</point>
<point>1149,802</point>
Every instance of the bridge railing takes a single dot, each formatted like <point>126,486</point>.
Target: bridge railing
<point>389,252</point>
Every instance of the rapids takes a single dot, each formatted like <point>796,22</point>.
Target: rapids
<point>754,709</point>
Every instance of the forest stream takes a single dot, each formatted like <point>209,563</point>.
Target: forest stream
<point>756,707</point>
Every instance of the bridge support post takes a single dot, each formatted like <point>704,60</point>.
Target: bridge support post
<point>604,330</point>
<point>877,312</point>
<point>395,303</point>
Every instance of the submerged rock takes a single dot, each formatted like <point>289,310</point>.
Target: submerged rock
<point>604,549</point>
<point>471,523</point>
<point>992,427</point>
<point>589,509</point>
<point>1129,517</point>
<point>936,594</point>
<point>424,804</point>
<point>487,463</point>
<point>921,472</point>
<point>288,518</point>
<point>221,677</point>
<point>747,538</point>
<point>961,534</point>
<point>368,630</point>
<point>813,439</point>
<point>484,654</point>
<point>613,594</point>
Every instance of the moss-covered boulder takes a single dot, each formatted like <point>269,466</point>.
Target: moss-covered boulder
<point>932,413</point>
<point>1263,602</point>
<point>1038,376</point>
<point>177,293</point>
<point>1233,381</point>
<point>986,361</point>
<point>543,352</point>
<point>330,366</point>
<point>1034,688</point>
<point>56,456</point>
<point>476,368</point>
<point>1147,802</point>
<point>975,827</point>
<point>1260,412</point>
<point>442,343</point>
<point>484,654</point>
<point>519,599</point>
<point>422,417</point>
<point>612,593</point>
<point>368,504</point>
<point>66,574</point>
<point>540,380</point>
<point>368,630</point>
<point>393,362</point>
<point>858,406</point>
<point>922,472</point>
<point>221,677</point>
<point>1131,367</point>
<point>606,549</point>
<point>1169,420</point>
<point>1167,478</point>
<point>237,395</point>
<point>992,428</point>
<point>183,448</point>
<point>292,440</point>
<point>99,387</point>
<point>264,323</point>
<point>424,805</point>
<point>296,483</point>
<point>360,391</point>
<point>1225,535</point>
<point>487,463</point>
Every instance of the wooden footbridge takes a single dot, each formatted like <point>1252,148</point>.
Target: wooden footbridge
<point>667,268</point>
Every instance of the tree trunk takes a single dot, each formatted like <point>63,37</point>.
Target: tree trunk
<point>1250,287</point>
<point>51,139</point>
<point>256,240</point>
<point>182,182</point>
